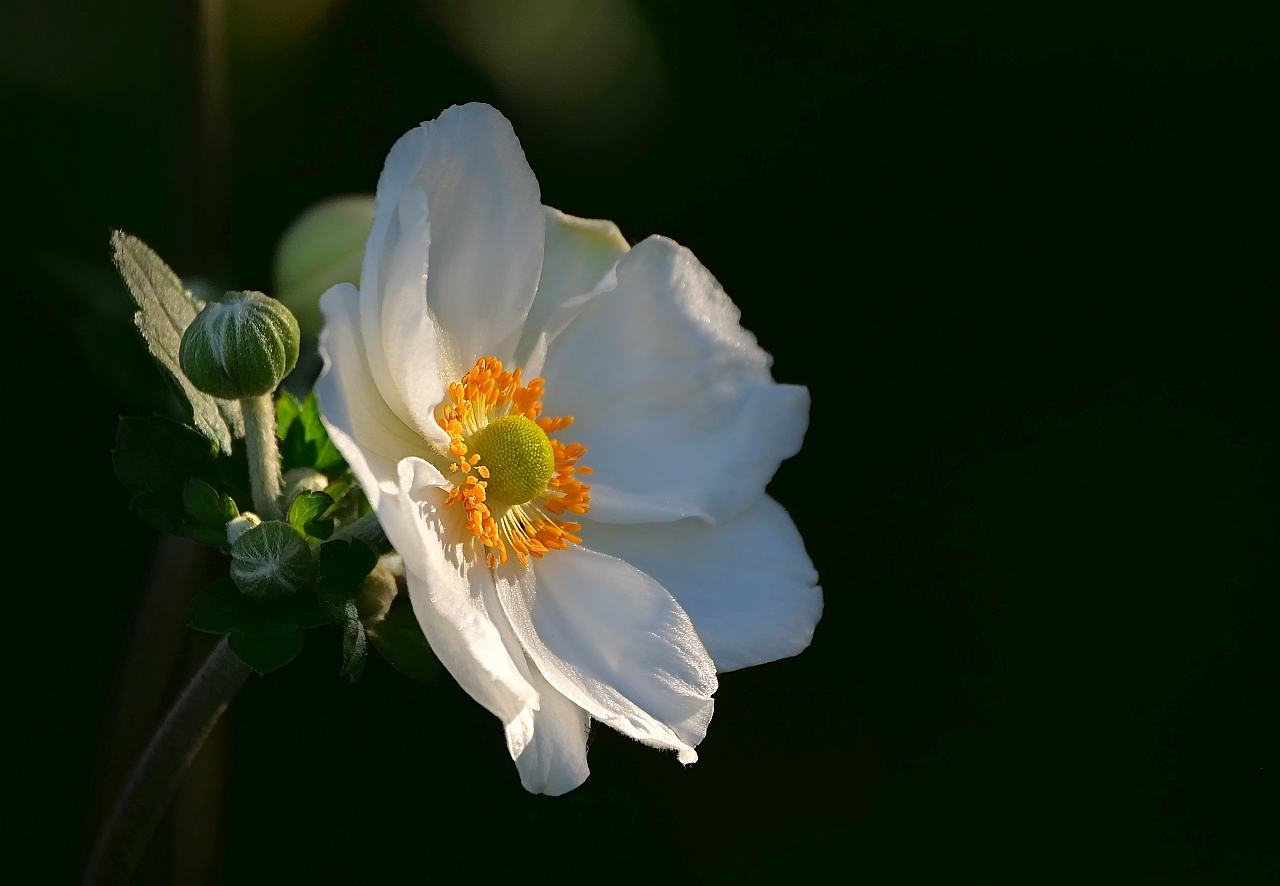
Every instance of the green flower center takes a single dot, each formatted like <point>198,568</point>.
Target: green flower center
<point>518,457</point>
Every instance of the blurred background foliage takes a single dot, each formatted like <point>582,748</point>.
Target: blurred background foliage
<point>1026,256</point>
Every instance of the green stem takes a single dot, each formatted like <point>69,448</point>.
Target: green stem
<point>264,455</point>
<point>158,772</point>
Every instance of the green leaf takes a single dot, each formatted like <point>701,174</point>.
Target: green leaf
<point>165,309</point>
<point>203,503</point>
<point>344,565</point>
<point>159,455</point>
<point>267,648</point>
<point>354,645</point>
<point>271,560</point>
<point>263,632</point>
<point>304,441</point>
<point>399,638</point>
<point>307,514</point>
<point>157,458</point>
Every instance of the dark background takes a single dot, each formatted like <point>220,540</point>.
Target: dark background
<point>1026,260</point>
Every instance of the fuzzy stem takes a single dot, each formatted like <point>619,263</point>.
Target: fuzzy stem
<point>158,772</point>
<point>264,455</point>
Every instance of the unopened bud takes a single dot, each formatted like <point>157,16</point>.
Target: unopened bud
<point>321,247</point>
<point>271,561</point>
<point>239,346</point>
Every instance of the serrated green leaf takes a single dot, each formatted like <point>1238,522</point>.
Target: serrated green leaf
<point>399,639</point>
<point>344,564</point>
<point>165,309</point>
<point>354,645</point>
<point>271,560</point>
<point>308,513</point>
<point>267,648</point>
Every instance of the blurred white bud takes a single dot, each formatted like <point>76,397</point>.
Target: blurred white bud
<point>322,246</point>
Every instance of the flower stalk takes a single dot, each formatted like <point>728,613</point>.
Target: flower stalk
<point>264,455</point>
<point>156,776</point>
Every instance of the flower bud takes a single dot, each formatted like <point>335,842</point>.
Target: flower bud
<point>271,561</point>
<point>321,247</point>
<point>240,346</point>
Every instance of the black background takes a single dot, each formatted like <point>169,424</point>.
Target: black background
<point>1026,262</point>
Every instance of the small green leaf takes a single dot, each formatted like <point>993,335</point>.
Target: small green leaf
<point>399,638</point>
<point>268,647</point>
<point>307,514</point>
<point>270,561</point>
<point>354,645</point>
<point>344,565</point>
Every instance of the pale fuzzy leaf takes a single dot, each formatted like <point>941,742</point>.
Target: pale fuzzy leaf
<point>165,309</point>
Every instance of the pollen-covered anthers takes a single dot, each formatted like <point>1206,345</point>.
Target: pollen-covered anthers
<point>565,492</point>
<point>535,527</point>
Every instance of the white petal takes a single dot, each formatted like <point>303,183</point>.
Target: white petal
<point>671,396</point>
<point>747,584</point>
<point>486,230</point>
<point>369,435</point>
<point>579,253</point>
<point>615,643</point>
<point>555,760</point>
<point>448,585</point>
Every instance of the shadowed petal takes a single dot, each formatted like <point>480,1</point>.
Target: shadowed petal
<point>615,643</point>
<point>747,584</point>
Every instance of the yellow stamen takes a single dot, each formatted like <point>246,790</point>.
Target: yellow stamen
<point>492,410</point>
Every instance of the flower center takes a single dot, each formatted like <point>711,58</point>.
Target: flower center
<point>511,476</point>
<point>518,456</point>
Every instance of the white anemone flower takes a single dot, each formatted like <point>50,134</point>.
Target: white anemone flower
<point>494,348</point>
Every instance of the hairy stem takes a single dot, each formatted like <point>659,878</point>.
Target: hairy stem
<point>158,772</point>
<point>264,455</point>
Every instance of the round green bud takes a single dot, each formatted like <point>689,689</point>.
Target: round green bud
<point>270,561</point>
<point>322,247</point>
<point>241,345</point>
<point>518,456</point>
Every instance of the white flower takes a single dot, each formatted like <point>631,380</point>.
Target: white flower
<point>549,600</point>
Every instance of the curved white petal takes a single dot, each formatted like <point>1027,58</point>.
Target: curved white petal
<point>671,396</point>
<point>615,643</point>
<point>555,760</point>
<point>486,233</point>
<point>370,436</point>
<point>747,583</point>
<point>578,256</point>
<point>448,586</point>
